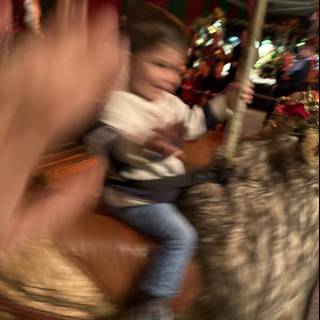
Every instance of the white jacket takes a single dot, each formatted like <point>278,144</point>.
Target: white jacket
<point>135,118</point>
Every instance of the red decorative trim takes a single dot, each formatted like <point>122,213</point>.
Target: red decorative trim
<point>194,10</point>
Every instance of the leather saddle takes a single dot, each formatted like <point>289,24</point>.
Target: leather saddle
<point>114,256</point>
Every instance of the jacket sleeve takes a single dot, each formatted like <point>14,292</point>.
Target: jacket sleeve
<point>127,118</point>
<point>199,120</point>
<point>101,139</point>
<point>119,121</point>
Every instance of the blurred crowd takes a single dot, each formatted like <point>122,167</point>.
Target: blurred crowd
<point>209,70</point>
<point>204,75</point>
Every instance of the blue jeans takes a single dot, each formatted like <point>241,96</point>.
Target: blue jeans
<point>177,239</point>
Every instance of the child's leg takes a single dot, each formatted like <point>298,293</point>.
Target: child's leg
<point>178,240</point>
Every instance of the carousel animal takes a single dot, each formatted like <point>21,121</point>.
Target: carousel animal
<point>259,234</point>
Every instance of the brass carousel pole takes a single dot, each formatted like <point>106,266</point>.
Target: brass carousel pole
<point>247,61</point>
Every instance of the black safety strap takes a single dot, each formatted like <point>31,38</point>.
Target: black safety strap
<point>216,175</point>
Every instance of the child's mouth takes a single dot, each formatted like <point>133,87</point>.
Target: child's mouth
<point>169,89</point>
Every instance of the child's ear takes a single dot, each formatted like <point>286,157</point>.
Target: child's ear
<point>122,82</point>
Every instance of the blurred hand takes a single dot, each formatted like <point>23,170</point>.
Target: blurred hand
<point>46,93</point>
<point>247,94</point>
<point>161,141</point>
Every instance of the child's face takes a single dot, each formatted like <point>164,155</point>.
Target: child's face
<point>155,71</point>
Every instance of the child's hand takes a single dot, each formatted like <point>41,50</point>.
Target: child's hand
<point>161,142</point>
<point>247,95</point>
<point>158,145</point>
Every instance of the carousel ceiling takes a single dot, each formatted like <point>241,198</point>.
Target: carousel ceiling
<point>284,7</point>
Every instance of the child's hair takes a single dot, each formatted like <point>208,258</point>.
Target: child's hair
<point>148,25</point>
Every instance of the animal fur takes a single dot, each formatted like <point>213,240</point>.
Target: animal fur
<point>259,234</point>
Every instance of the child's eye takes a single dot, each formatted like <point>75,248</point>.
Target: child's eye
<point>161,65</point>
<point>167,66</point>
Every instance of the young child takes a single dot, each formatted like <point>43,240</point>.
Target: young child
<point>144,129</point>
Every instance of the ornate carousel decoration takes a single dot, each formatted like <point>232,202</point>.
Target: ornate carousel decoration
<point>298,114</point>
